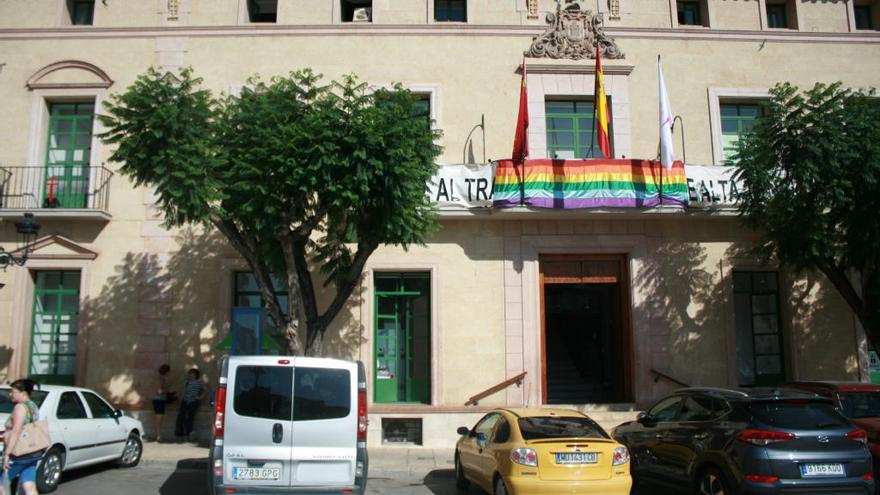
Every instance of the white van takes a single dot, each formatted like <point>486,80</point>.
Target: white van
<point>285,424</point>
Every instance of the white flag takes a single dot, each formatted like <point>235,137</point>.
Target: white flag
<point>666,118</point>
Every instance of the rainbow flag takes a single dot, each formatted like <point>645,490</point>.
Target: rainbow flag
<point>588,184</point>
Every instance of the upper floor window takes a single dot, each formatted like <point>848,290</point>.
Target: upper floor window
<point>692,13</point>
<point>864,15</point>
<point>356,10</point>
<point>571,129</point>
<point>423,106</point>
<point>776,16</point>
<point>736,120</point>
<point>82,12</point>
<point>262,10</point>
<point>450,10</point>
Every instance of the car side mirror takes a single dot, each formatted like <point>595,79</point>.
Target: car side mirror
<point>463,430</point>
<point>117,413</point>
<point>644,418</point>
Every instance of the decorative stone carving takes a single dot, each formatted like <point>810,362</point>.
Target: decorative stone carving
<point>173,7</point>
<point>574,33</point>
<point>614,9</point>
<point>533,9</point>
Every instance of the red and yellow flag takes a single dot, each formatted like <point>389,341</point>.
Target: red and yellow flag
<point>601,108</point>
<point>521,138</point>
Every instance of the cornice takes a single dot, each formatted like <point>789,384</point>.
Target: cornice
<point>426,30</point>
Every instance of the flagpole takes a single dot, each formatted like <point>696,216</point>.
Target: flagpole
<point>660,147</point>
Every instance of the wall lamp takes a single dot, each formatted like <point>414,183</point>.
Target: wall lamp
<point>26,230</point>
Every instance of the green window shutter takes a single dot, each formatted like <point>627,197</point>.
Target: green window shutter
<point>571,129</point>
<point>68,151</point>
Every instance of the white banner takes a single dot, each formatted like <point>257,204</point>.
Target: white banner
<point>711,186</point>
<point>463,186</point>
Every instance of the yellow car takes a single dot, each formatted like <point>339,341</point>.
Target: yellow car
<point>540,452</point>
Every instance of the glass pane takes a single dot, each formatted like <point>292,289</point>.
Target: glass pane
<point>730,126</point>
<point>584,107</point>
<point>48,280</point>
<point>57,156</point>
<point>742,282</point>
<point>386,284</point>
<point>729,111</point>
<point>84,125</point>
<point>321,393</point>
<point>765,323</point>
<point>744,340</point>
<point>768,365</point>
<point>42,343</point>
<point>83,141</point>
<point>69,303</point>
<point>99,408</point>
<point>764,304</point>
<point>263,392</point>
<point>765,281</point>
<point>248,301</point>
<point>63,109</point>
<point>66,365</point>
<point>48,302</point>
<point>67,323</point>
<point>85,109</point>
<point>538,427</point>
<point>565,139</point>
<point>559,107</point>
<point>559,123</point>
<point>766,344</point>
<point>61,125</point>
<point>42,365</point>
<point>70,281</point>
<point>70,407</point>
<point>66,344</point>
<point>245,282</point>
<point>387,306</point>
<point>279,283</point>
<point>417,284</point>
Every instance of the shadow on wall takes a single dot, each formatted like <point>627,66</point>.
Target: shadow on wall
<point>823,328</point>
<point>5,361</point>
<point>155,309</point>
<point>685,307</point>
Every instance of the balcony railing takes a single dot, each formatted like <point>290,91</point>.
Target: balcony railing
<point>68,187</point>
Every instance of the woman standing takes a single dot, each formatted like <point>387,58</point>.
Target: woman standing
<point>160,400</point>
<point>25,411</point>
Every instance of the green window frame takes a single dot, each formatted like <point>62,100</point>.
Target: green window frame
<point>402,337</point>
<point>571,129</point>
<point>68,152</point>
<point>736,120</point>
<point>777,15</point>
<point>864,17</point>
<point>82,12</point>
<point>689,13</point>
<point>759,343</point>
<point>54,327</point>
<point>450,10</point>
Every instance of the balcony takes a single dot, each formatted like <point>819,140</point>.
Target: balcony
<point>76,192</point>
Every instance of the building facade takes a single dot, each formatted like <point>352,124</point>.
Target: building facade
<point>601,308</point>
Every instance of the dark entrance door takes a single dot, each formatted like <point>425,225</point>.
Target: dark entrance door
<point>586,340</point>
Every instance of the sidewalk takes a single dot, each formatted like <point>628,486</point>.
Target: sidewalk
<point>385,462</point>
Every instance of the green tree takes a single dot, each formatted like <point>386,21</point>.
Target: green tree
<point>811,171</point>
<point>298,176</point>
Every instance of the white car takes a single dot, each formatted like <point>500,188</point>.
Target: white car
<point>84,429</point>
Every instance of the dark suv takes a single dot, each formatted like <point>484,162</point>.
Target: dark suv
<point>761,440</point>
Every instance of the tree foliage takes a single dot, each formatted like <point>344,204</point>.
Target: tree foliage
<point>811,171</point>
<point>297,175</point>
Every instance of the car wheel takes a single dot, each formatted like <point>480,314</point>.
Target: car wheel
<point>49,472</point>
<point>131,454</point>
<point>500,487</point>
<point>713,482</point>
<point>460,481</point>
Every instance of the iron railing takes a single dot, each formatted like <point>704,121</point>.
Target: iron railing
<point>65,187</point>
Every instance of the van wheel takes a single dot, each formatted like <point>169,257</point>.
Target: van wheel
<point>713,482</point>
<point>500,487</point>
<point>131,454</point>
<point>460,481</point>
<point>49,471</point>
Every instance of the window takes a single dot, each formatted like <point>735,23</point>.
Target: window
<point>262,10</point>
<point>68,152</point>
<point>776,15</point>
<point>571,129</point>
<point>248,295</point>
<point>486,425</point>
<point>798,414</point>
<point>758,335</point>
<point>263,392</point>
<point>82,12</point>
<point>54,327</point>
<point>356,10</point>
<point>697,409</point>
<point>70,407</point>
<point>450,10</point>
<point>665,410</point>
<point>541,427</point>
<point>864,17</point>
<point>423,106</point>
<point>321,393</point>
<point>502,431</point>
<point>690,13</point>
<point>99,408</point>
<point>736,120</point>
<point>402,343</point>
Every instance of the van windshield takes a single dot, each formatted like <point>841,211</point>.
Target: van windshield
<point>6,403</point>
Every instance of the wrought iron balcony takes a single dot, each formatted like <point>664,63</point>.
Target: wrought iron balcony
<point>56,191</point>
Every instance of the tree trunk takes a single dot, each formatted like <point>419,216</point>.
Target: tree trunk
<point>292,336</point>
<point>854,300</point>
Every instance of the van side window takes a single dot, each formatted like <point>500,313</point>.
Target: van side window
<point>263,391</point>
<point>321,393</point>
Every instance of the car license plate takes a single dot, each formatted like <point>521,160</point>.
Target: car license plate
<point>822,470</point>
<point>576,458</point>
<point>254,474</point>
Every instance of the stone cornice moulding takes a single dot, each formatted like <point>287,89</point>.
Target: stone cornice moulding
<point>575,67</point>
<point>33,82</point>
<point>434,30</point>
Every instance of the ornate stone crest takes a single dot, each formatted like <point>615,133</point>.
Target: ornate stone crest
<point>574,33</point>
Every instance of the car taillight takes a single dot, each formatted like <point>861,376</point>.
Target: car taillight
<point>362,416</point>
<point>219,412</point>
<point>868,476</point>
<point>858,436</point>
<point>760,478</point>
<point>764,437</point>
<point>621,456</point>
<point>526,457</point>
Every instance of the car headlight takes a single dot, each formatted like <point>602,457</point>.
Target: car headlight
<point>526,457</point>
<point>621,456</point>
